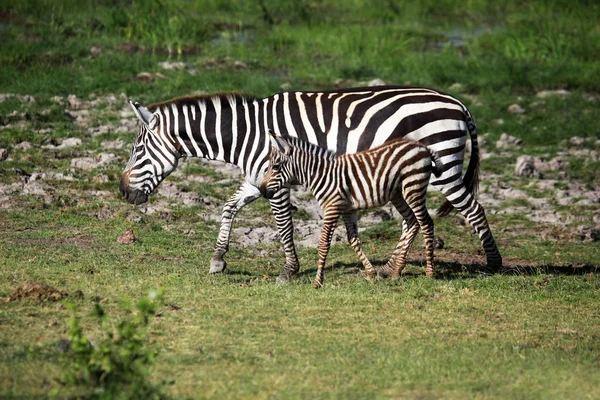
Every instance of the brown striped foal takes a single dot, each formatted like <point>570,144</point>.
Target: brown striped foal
<point>396,172</point>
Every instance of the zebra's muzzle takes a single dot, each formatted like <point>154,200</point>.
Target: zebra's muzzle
<point>269,193</point>
<point>133,196</point>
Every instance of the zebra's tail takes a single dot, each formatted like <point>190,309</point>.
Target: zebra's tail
<point>471,178</point>
<point>437,167</point>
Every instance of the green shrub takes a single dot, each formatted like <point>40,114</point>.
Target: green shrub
<point>118,362</point>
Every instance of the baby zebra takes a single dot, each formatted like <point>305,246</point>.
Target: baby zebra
<point>397,171</point>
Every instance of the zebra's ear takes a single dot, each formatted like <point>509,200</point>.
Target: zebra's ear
<point>280,143</point>
<point>142,113</point>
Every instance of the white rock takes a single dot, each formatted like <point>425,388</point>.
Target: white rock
<point>542,94</point>
<point>516,109</point>
<point>376,82</point>
<point>525,166</point>
<point>23,146</point>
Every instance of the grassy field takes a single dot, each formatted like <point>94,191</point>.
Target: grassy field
<point>68,67</point>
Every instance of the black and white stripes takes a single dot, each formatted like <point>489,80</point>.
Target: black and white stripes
<point>234,129</point>
<point>396,172</point>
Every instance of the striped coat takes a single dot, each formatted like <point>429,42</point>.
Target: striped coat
<point>397,172</point>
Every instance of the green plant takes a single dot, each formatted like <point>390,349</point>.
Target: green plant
<point>117,364</point>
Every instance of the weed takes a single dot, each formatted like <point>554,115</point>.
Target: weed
<point>118,364</point>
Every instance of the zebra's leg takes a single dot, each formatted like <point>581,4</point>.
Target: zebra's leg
<point>330,218</point>
<point>473,212</point>
<point>426,224</point>
<point>351,222</point>
<point>246,194</point>
<point>410,228</point>
<point>282,211</point>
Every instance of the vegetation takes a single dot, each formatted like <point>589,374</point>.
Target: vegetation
<point>531,333</point>
<point>117,364</point>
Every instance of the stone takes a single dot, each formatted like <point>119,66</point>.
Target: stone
<point>127,237</point>
<point>87,163</point>
<point>516,109</point>
<point>3,154</point>
<point>74,103</point>
<point>542,94</point>
<point>376,82</point>
<point>507,141</point>
<point>456,87</point>
<point>23,146</point>
<point>525,166</point>
<point>69,142</point>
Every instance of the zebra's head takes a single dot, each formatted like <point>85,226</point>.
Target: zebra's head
<point>153,158</point>
<point>279,173</point>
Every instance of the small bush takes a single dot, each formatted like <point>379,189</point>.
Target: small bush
<point>117,364</point>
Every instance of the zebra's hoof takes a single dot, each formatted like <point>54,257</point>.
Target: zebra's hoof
<point>317,284</point>
<point>283,279</point>
<point>385,272</point>
<point>217,265</point>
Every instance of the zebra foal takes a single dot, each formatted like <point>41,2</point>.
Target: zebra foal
<point>397,172</point>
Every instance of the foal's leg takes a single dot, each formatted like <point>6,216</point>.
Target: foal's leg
<point>417,204</point>
<point>330,218</point>
<point>410,228</point>
<point>351,222</point>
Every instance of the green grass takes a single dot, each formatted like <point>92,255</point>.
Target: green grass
<point>530,334</point>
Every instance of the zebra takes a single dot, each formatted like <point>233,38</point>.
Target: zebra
<point>397,171</point>
<point>233,128</point>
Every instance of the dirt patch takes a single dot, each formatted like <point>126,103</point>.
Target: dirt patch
<point>36,291</point>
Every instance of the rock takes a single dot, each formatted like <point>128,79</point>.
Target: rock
<point>74,103</point>
<point>376,82</point>
<point>497,122</point>
<point>87,163</point>
<point>507,141</point>
<point>542,94</point>
<point>587,154</point>
<point>525,166</point>
<point>456,87</point>
<point>148,77</point>
<point>104,213</point>
<point>3,154</point>
<point>576,140</point>
<point>177,66</point>
<point>69,142</point>
<point>114,144</point>
<point>100,178</point>
<point>95,51</point>
<point>137,219</point>
<point>587,234</point>
<point>285,86</point>
<point>63,346</point>
<point>438,243</point>
<point>555,164</point>
<point>516,109</point>
<point>127,237</point>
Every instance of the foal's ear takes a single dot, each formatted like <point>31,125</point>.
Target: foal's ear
<point>279,143</point>
<point>142,113</point>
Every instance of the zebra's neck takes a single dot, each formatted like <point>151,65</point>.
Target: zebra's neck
<point>313,166</point>
<point>223,127</point>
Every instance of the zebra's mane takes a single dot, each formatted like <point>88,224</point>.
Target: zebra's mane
<point>310,148</point>
<point>206,98</point>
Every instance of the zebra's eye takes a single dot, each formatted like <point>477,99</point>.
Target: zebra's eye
<point>276,167</point>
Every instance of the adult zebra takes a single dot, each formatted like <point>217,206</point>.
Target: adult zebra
<point>235,129</point>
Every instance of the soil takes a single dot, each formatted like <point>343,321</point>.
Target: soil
<point>36,291</point>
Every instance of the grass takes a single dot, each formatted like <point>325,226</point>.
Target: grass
<point>530,334</point>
